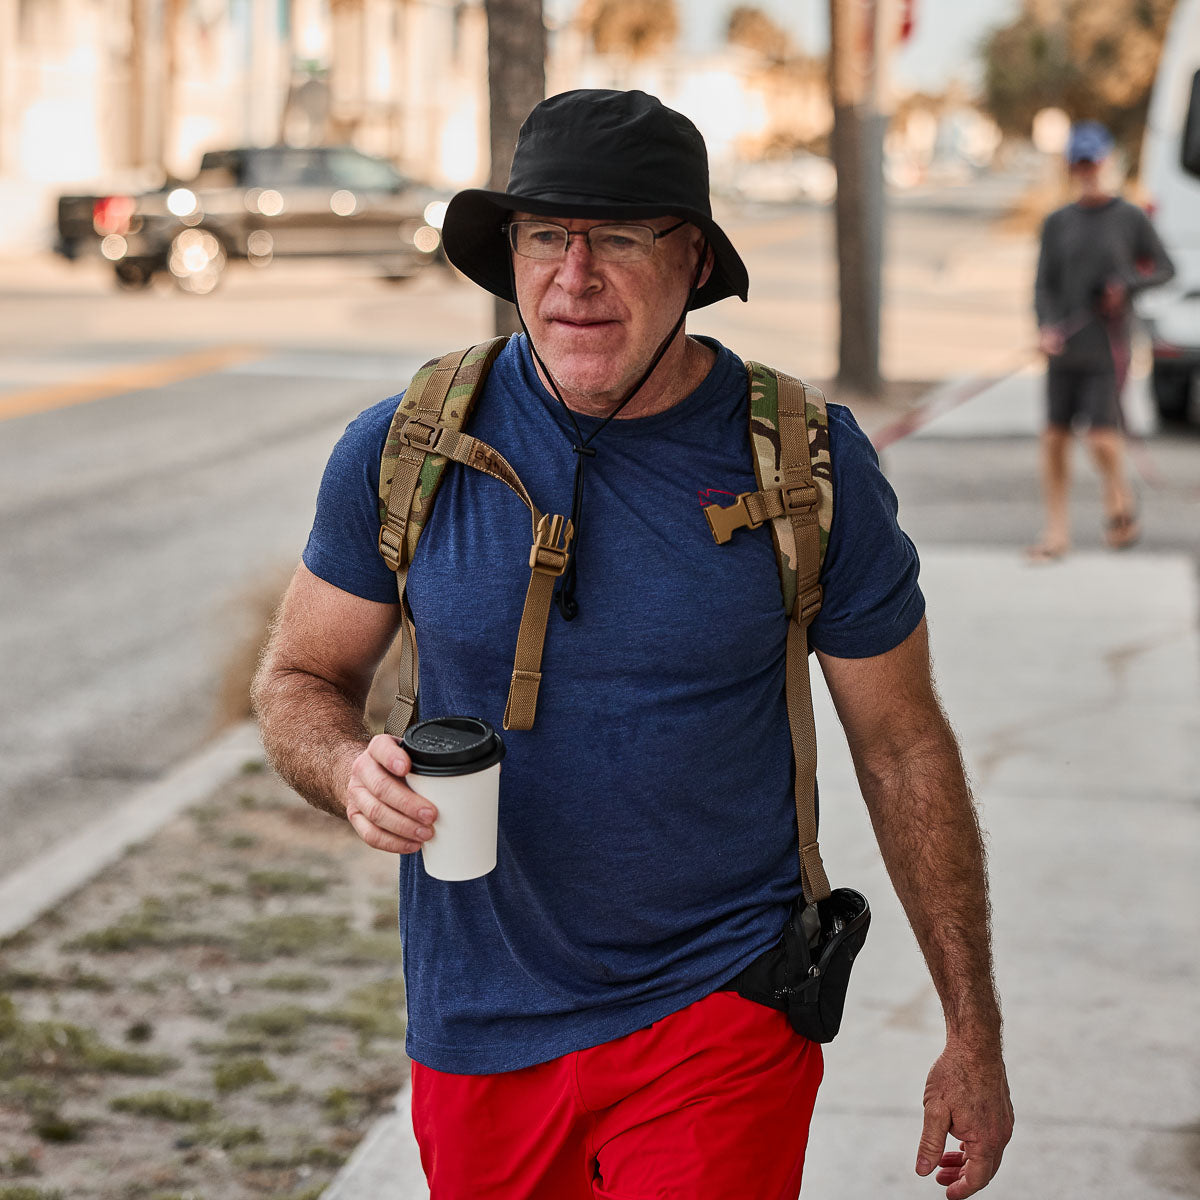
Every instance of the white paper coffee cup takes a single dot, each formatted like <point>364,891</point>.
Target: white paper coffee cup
<point>456,765</point>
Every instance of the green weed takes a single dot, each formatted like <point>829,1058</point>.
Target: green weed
<point>295,983</point>
<point>285,1020</point>
<point>289,935</point>
<point>241,1073</point>
<point>57,1048</point>
<point>165,1106</point>
<point>286,883</point>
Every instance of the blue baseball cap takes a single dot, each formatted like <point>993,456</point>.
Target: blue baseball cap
<point>1089,142</point>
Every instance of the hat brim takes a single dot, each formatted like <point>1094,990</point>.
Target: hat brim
<point>472,234</point>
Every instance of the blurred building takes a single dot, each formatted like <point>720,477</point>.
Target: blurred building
<point>121,93</point>
<point>103,94</point>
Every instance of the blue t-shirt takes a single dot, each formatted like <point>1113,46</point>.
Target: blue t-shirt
<point>647,829</point>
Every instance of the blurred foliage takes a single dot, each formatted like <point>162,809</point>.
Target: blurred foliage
<point>631,28</point>
<point>1095,59</point>
<point>753,29</point>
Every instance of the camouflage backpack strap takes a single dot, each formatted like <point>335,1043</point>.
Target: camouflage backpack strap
<point>789,434</point>
<point>427,433</point>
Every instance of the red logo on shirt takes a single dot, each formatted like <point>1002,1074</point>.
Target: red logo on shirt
<point>715,496</point>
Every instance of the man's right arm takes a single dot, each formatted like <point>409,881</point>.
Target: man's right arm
<point>1046,303</point>
<point>310,693</point>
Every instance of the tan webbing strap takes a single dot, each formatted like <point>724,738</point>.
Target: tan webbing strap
<point>471,452</point>
<point>405,703</point>
<point>547,561</point>
<point>794,455</point>
<point>423,433</point>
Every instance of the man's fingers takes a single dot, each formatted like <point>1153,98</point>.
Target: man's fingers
<point>391,791</point>
<point>976,1175</point>
<point>380,839</point>
<point>363,799</point>
<point>933,1136</point>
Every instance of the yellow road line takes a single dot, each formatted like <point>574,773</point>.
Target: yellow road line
<point>135,377</point>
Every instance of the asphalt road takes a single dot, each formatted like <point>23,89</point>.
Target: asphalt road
<point>159,457</point>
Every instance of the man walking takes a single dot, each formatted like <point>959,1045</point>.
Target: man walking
<point>570,1024</point>
<point>1096,253</point>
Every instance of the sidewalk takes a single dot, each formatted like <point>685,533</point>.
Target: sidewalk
<point>1076,691</point>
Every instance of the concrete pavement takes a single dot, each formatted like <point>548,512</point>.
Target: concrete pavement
<point>1076,690</point>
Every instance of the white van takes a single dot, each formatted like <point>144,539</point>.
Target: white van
<point>1171,177</point>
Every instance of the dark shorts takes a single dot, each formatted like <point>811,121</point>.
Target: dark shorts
<point>1083,397</point>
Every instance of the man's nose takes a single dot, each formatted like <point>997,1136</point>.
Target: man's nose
<point>577,270</point>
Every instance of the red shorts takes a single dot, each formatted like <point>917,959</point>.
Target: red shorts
<point>710,1103</point>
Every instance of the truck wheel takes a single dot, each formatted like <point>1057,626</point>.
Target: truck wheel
<point>1172,388</point>
<point>133,276</point>
<point>196,260</point>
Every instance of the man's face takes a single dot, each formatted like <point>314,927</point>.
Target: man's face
<point>597,324</point>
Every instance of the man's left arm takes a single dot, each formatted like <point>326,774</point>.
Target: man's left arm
<point>912,778</point>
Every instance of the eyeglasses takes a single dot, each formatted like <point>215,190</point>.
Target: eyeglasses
<point>610,243</point>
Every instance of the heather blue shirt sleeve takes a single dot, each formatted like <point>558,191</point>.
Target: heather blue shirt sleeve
<point>872,600</point>
<point>343,544</point>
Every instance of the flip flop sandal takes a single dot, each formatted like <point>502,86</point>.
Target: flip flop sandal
<point>1043,552</point>
<point>1122,531</point>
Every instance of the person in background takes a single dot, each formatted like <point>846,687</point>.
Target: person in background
<point>1096,253</point>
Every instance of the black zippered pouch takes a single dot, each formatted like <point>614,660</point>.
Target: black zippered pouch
<point>806,973</point>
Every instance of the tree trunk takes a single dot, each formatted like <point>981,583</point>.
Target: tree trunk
<point>857,147</point>
<point>516,82</point>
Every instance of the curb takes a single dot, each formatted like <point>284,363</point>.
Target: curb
<point>386,1162</point>
<point>50,878</point>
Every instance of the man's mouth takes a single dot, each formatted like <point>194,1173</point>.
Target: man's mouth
<point>579,322</point>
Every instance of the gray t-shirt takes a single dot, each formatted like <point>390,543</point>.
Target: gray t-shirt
<point>1085,246</point>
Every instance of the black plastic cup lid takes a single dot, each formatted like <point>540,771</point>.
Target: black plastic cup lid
<point>452,746</point>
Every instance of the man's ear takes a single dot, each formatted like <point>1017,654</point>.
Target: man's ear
<point>699,241</point>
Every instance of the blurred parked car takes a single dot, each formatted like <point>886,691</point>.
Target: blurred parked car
<point>259,204</point>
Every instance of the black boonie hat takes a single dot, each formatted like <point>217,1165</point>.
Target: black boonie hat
<point>594,153</point>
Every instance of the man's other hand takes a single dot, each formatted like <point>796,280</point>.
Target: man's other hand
<point>966,1097</point>
<point>1050,340</point>
<point>383,810</point>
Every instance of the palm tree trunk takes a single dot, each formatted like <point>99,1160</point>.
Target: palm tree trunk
<point>516,82</point>
<point>857,147</point>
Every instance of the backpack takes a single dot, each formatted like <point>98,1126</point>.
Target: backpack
<point>789,434</point>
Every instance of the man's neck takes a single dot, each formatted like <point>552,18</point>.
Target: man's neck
<point>680,372</point>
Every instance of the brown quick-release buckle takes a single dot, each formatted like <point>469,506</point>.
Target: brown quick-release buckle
<point>724,519</point>
<point>547,555</point>
<point>799,497</point>
<point>421,433</point>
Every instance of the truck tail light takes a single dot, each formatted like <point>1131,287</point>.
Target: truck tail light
<point>112,214</point>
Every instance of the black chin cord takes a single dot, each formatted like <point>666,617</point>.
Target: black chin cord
<point>564,596</point>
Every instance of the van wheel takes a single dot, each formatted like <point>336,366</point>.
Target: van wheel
<point>196,260</point>
<point>1172,388</point>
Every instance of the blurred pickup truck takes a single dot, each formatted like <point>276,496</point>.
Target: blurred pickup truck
<point>258,204</point>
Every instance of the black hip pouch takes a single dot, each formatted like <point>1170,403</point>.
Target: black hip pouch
<point>806,973</point>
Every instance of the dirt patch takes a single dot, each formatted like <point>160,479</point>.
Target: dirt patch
<point>219,1016</point>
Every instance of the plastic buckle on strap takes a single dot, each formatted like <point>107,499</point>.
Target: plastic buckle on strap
<point>799,497</point>
<point>724,519</point>
<point>547,556</point>
<point>391,543</point>
<point>421,433</point>
<point>808,603</point>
